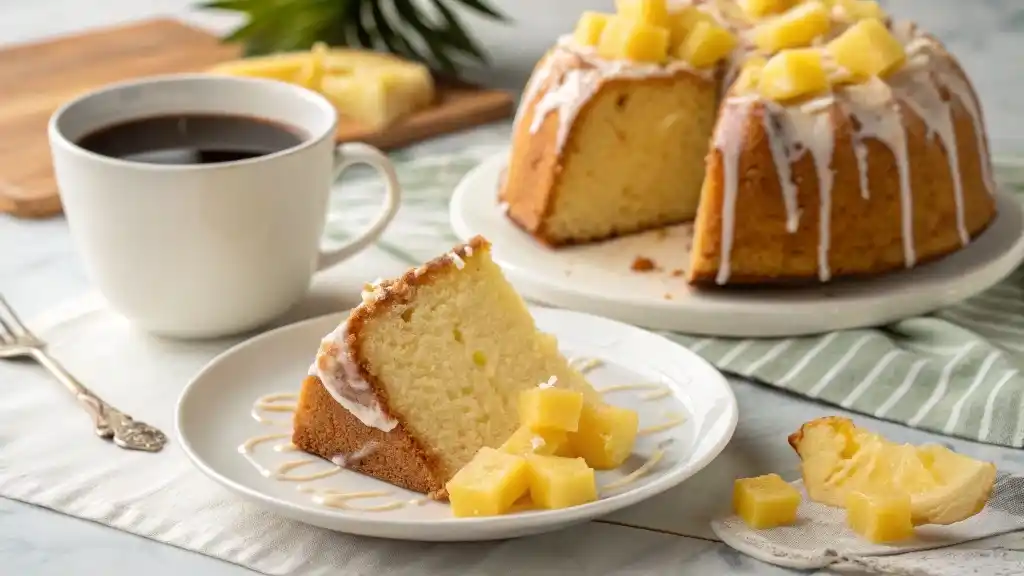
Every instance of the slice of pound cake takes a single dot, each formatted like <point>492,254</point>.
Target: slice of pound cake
<point>426,371</point>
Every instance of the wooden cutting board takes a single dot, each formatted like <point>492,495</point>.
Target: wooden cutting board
<point>37,78</point>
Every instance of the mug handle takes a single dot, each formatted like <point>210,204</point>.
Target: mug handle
<point>345,155</point>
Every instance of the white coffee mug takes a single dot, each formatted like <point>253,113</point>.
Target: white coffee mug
<point>211,249</point>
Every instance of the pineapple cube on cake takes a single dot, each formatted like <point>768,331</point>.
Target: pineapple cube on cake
<point>557,482</point>
<point>605,436</point>
<point>625,39</point>
<point>765,501</point>
<point>683,21</point>
<point>749,75</point>
<point>545,442</point>
<point>489,484</point>
<point>759,8</point>
<point>880,516</point>
<point>795,28</point>
<point>867,49</point>
<point>838,458</point>
<point>857,9</point>
<point>792,74</point>
<point>653,12</point>
<point>706,44</point>
<point>589,28</point>
<point>550,408</point>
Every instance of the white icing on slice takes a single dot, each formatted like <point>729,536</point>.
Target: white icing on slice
<point>781,155</point>
<point>338,374</point>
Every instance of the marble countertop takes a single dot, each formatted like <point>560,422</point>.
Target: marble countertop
<point>39,268</point>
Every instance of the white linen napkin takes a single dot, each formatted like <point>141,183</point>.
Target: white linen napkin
<point>820,538</point>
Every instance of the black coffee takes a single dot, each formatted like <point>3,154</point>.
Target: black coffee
<point>190,139</point>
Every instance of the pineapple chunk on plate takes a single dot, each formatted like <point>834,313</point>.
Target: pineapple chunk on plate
<point>605,436</point>
<point>551,409</point>
<point>557,482</point>
<point>489,484</point>
<point>545,442</point>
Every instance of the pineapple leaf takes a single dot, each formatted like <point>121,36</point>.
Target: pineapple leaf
<point>437,38</point>
<point>485,9</point>
<point>459,38</point>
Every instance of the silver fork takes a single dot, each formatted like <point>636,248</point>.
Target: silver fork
<point>16,341</point>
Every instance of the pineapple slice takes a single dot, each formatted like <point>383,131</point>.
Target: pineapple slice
<point>560,482</point>
<point>765,501</point>
<point>867,49</point>
<point>760,8</point>
<point>837,457</point>
<point>653,12</point>
<point>879,517</point>
<point>526,440</point>
<point>749,75</point>
<point>706,44</point>
<point>793,74</point>
<point>589,28</point>
<point>624,39</point>
<point>550,409</point>
<point>795,28</point>
<point>372,88</point>
<point>489,484</point>
<point>606,435</point>
<point>681,22</point>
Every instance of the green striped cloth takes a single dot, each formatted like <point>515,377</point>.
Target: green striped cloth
<point>956,372</point>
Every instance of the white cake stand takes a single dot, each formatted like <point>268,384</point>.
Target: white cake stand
<point>598,279</point>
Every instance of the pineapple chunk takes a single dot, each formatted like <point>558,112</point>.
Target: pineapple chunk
<point>526,440</point>
<point>793,74</point>
<point>749,75</point>
<point>858,9</point>
<point>653,12</point>
<point>867,49</point>
<point>881,516</point>
<point>624,39</point>
<point>589,28</point>
<point>489,484</point>
<point>838,457</point>
<point>706,44</point>
<point>550,409</point>
<point>606,435</point>
<point>794,28</point>
<point>681,22</point>
<point>765,501</point>
<point>759,8</point>
<point>560,482</point>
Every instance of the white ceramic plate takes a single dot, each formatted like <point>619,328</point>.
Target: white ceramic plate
<point>213,419</point>
<point>596,278</point>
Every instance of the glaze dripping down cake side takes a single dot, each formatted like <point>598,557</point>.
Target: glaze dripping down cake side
<point>426,371</point>
<point>818,139</point>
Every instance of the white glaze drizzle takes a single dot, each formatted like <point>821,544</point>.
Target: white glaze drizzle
<point>778,143</point>
<point>728,138</point>
<point>339,374</point>
<point>576,86</point>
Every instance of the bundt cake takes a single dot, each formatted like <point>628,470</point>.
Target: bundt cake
<point>426,371</point>
<point>809,139</point>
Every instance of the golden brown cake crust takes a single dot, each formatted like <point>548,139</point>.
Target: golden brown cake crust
<point>865,235</point>
<point>324,427</point>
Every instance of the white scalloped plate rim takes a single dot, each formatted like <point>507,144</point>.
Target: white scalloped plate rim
<point>212,419</point>
<point>596,278</point>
